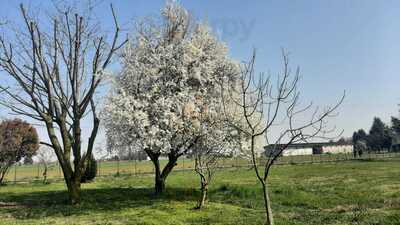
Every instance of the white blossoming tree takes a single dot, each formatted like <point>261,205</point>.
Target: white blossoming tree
<point>173,72</point>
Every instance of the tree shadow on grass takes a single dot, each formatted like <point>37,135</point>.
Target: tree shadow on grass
<point>35,205</point>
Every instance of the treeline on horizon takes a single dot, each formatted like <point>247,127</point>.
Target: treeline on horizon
<point>380,138</point>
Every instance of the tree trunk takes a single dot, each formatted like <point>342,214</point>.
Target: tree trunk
<point>204,192</point>
<point>3,173</point>
<point>73,184</point>
<point>161,176</point>
<point>268,210</point>
<point>74,191</point>
<point>159,184</point>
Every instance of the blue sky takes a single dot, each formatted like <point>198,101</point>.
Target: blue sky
<point>350,45</point>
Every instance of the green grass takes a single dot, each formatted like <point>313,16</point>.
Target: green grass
<point>28,173</point>
<point>352,192</point>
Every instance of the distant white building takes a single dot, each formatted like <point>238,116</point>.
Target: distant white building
<point>297,151</point>
<point>337,149</point>
<point>310,149</point>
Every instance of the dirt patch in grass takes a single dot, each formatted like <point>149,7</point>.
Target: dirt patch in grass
<point>392,203</point>
<point>343,208</point>
<point>389,189</point>
<point>11,205</point>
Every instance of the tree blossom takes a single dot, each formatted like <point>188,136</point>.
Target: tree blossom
<point>173,73</point>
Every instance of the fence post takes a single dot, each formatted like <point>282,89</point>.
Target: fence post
<point>118,166</point>
<point>135,166</point>
<point>98,167</point>
<point>15,173</point>
<point>59,169</point>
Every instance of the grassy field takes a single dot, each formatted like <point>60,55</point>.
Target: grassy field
<point>31,172</point>
<point>350,192</point>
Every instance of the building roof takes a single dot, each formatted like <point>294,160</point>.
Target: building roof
<point>308,145</point>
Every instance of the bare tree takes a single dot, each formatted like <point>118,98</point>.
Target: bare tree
<point>206,162</point>
<point>275,113</point>
<point>56,73</point>
<point>217,141</point>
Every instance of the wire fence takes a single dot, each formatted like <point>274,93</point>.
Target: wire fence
<point>28,173</point>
